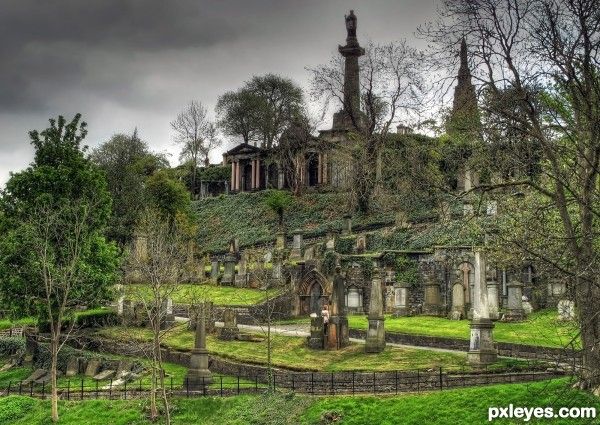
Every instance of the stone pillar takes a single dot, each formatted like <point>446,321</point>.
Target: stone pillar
<point>257,174</point>
<point>432,302</point>
<point>232,175</point>
<point>514,311</point>
<point>401,299</point>
<point>297,245</point>
<point>375,342</point>
<point>320,169</point>
<point>237,176</point>
<point>493,295</point>
<point>324,173</point>
<point>229,272</point>
<point>280,241</point>
<point>167,318</point>
<point>242,274</point>
<point>338,335</point>
<point>280,178</point>
<point>198,375</point>
<point>215,268</point>
<point>481,347</point>
<point>253,174</point>
<point>347,229</point>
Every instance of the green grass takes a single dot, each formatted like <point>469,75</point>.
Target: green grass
<point>461,407</point>
<point>541,328</point>
<point>25,321</point>
<point>293,353</point>
<point>220,295</point>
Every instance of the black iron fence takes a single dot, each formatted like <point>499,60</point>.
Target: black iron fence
<point>314,383</point>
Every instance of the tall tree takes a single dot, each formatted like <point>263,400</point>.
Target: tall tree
<point>127,162</point>
<point>53,255</point>
<point>391,85</point>
<point>197,135</point>
<point>261,110</point>
<point>547,54</point>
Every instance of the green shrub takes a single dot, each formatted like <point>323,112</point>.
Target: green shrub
<point>15,407</point>
<point>345,245</point>
<point>11,345</point>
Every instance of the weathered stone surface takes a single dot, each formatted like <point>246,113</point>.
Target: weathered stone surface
<point>316,338</point>
<point>93,367</point>
<point>37,374</point>
<point>375,341</point>
<point>105,374</point>
<point>72,366</point>
<point>230,329</point>
<point>566,310</point>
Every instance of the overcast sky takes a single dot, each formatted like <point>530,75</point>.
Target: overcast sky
<point>133,63</point>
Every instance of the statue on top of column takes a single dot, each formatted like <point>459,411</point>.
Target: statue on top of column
<point>351,24</point>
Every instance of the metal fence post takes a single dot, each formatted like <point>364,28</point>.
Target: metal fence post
<point>110,390</point>
<point>69,389</point>
<point>441,380</point>
<point>238,384</point>
<point>82,387</point>
<point>312,383</point>
<point>374,387</point>
<point>332,387</point>
<point>31,389</point>
<point>221,379</point>
<point>8,389</point>
<point>353,378</point>
<point>125,389</point>
<point>43,390</point>
<point>96,389</point>
<point>418,381</point>
<point>396,377</point>
<point>187,386</point>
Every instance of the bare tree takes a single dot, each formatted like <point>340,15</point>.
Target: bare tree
<point>547,54</point>
<point>197,135</point>
<point>391,85</point>
<point>161,262</point>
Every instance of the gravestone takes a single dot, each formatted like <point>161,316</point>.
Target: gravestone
<point>309,253</point>
<point>215,267</point>
<point>361,244</point>
<point>347,229</point>
<point>527,307</point>
<point>167,318</point>
<point>330,241</point>
<point>337,332</point>
<point>432,300</point>
<point>401,299</point>
<point>514,311</point>
<point>72,366</point>
<point>458,302</point>
<point>375,341</point>
<point>566,310</point>
<point>92,368</point>
<point>297,245</point>
<point>316,338</point>
<point>493,296</point>
<point>37,374</point>
<point>105,374</point>
<point>280,241</point>
<point>230,329</point>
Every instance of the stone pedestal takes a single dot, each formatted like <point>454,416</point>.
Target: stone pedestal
<point>375,341</point>
<point>229,270</point>
<point>514,312</point>
<point>401,297</point>
<point>315,340</point>
<point>481,348</point>
<point>297,245</point>
<point>198,375</point>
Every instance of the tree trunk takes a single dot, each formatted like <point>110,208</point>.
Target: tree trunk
<point>153,389</point>
<point>163,388</point>
<point>587,300</point>
<point>54,343</point>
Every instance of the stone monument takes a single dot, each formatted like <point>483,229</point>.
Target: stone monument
<point>514,311</point>
<point>229,269</point>
<point>230,329</point>
<point>375,342</point>
<point>493,296</point>
<point>401,299</point>
<point>198,375</point>
<point>337,334</point>
<point>481,348</point>
<point>297,245</point>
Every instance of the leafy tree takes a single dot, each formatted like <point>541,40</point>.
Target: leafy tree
<point>53,255</point>
<point>167,195</point>
<point>279,201</point>
<point>261,110</point>
<point>127,161</point>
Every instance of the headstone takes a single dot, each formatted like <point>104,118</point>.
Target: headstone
<point>432,300</point>
<point>105,374</point>
<point>482,351</point>
<point>280,241</point>
<point>167,318</point>
<point>315,340</point>
<point>361,244</point>
<point>72,366</point>
<point>375,341</point>
<point>214,269</point>
<point>229,271</point>
<point>514,311</point>
<point>297,245</point>
<point>401,297</point>
<point>347,229</point>
<point>458,302</point>
<point>493,296</point>
<point>330,241</point>
<point>230,330</point>
<point>309,253</point>
<point>337,332</point>
<point>93,367</point>
<point>124,368</point>
<point>37,374</point>
<point>566,310</point>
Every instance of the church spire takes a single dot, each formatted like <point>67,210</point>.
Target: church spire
<point>464,120</point>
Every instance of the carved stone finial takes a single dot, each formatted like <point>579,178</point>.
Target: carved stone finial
<point>351,24</point>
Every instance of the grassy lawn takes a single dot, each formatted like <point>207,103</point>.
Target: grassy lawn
<point>292,352</point>
<point>220,295</point>
<point>541,328</point>
<point>461,406</point>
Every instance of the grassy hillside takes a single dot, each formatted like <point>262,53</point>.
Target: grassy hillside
<point>462,407</point>
<point>246,216</point>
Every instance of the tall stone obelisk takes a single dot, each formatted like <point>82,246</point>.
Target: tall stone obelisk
<point>350,117</point>
<point>198,375</point>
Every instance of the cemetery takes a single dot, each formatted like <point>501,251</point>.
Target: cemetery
<point>352,274</point>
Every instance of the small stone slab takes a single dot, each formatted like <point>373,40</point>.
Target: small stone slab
<point>124,366</point>
<point>249,338</point>
<point>6,367</point>
<point>43,380</point>
<point>92,368</point>
<point>37,374</point>
<point>105,374</point>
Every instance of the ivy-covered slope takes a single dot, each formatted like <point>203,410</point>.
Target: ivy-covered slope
<point>247,217</point>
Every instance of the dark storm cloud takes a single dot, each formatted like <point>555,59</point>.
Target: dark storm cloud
<point>128,63</point>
